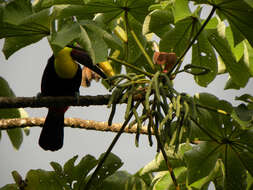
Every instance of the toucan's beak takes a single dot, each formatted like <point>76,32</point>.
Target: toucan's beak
<point>84,59</point>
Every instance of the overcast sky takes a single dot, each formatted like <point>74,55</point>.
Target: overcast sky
<point>23,71</point>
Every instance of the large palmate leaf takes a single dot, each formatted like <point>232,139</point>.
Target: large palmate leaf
<point>163,180</point>
<point>21,27</point>
<point>204,56</point>
<point>239,14</point>
<point>43,4</point>
<point>237,70</point>
<point>70,176</point>
<point>176,39</point>
<point>138,9</point>
<point>158,22</point>
<point>176,160</point>
<point>16,11</point>
<point>181,10</point>
<point>225,139</point>
<point>201,160</point>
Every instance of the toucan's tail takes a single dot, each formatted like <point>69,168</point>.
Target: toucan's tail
<point>51,137</point>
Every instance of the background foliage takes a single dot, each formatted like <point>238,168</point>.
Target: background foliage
<point>203,138</point>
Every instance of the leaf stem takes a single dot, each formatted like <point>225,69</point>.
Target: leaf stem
<point>204,130</point>
<point>126,29</point>
<point>161,147</point>
<point>131,66</point>
<point>150,62</point>
<point>108,151</point>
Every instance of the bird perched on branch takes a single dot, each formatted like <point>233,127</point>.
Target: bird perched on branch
<point>62,77</point>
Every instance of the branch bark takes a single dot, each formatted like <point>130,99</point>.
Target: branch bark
<point>36,102</point>
<point>70,122</point>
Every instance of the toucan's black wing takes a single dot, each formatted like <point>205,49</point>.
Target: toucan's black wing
<point>53,85</point>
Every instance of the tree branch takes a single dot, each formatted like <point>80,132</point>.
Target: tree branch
<point>36,102</point>
<point>71,122</point>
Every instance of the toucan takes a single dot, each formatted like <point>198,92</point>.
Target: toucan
<point>62,77</point>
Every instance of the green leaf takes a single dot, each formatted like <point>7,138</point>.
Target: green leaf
<point>210,113</point>
<point>110,166</point>
<point>134,52</point>
<point>138,9</point>
<point>117,180</point>
<point>57,168</point>
<point>177,38</point>
<point>113,42</point>
<point>237,50</point>
<point>233,144</point>
<point>74,175</point>
<point>64,36</point>
<point>244,113</point>
<point>249,2</point>
<point>249,182</point>
<point>82,169</point>
<point>43,4</point>
<point>245,98</point>
<point>235,173</point>
<point>13,44</point>
<point>203,55</point>
<point>230,84</point>
<point>215,176</point>
<point>66,11</point>
<point>134,183</point>
<point>147,177</point>
<point>68,168</point>
<point>158,21</point>
<point>181,10</point>
<point>163,179</point>
<point>237,70</point>
<point>201,160</point>
<point>31,29</point>
<point>96,35</point>
<point>5,89</point>
<point>201,1</point>
<point>10,187</point>
<point>16,11</point>
<point>85,42</point>
<point>158,164</point>
<point>238,14</point>
<point>15,135</point>
<point>41,180</point>
<point>250,58</point>
<point>212,24</point>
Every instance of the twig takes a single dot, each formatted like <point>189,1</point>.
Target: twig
<point>161,147</point>
<point>70,122</point>
<point>131,66</point>
<point>142,50</point>
<point>108,151</point>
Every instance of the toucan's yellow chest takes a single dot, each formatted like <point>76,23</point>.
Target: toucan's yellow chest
<point>65,66</point>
